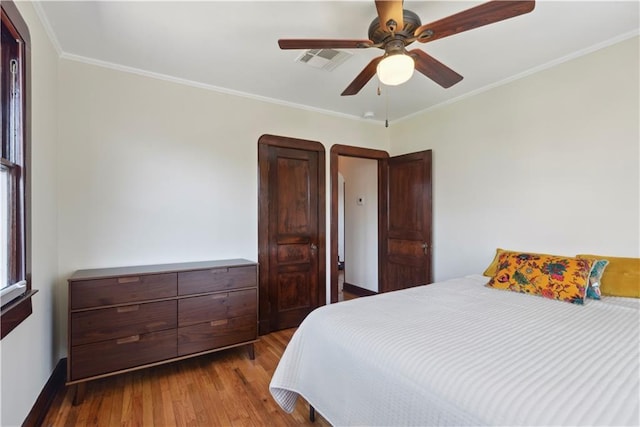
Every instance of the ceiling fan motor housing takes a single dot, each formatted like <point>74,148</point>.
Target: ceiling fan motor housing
<point>411,23</point>
<point>394,47</point>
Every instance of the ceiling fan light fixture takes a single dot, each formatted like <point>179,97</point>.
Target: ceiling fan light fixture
<point>395,69</point>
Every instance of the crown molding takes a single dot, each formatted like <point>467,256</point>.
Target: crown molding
<point>531,71</point>
<point>191,83</point>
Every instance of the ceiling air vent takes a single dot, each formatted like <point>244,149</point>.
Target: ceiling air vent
<point>326,59</point>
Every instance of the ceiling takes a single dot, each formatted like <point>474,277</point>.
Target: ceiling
<point>232,46</point>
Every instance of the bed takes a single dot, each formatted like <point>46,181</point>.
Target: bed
<point>459,353</point>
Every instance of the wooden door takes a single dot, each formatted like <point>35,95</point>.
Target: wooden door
<point>291,251</point>
<point>407,234</point>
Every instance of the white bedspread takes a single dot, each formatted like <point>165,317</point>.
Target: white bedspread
<point>458,353</point>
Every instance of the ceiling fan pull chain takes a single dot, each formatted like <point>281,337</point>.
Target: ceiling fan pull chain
<point>386,120</point>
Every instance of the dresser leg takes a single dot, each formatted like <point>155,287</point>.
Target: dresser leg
<point>78,395</point>
<point>252,351</point>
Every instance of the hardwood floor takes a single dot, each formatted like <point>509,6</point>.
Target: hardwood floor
<point>342,294</point>
<point>218,389</point>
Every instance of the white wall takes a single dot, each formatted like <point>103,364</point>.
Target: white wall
<point>548,163</point>
<point>29,353</point>
<point>361,221</point>
<point>153,171</point>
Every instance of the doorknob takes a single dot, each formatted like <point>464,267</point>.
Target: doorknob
<point>314,247</point>
<point>425,248</point>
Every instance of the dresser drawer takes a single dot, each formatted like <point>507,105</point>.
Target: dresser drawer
<point>119,290</point>
<point>115,322</point>
<point>217,279</point>
<point>223,305</point>
<point>126,352</point>
<point>218,333</point>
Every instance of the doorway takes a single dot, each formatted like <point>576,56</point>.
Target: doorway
<point>338,151</point>
<point>405,249</point>
<point>291,231</point>
<point>358,221</point>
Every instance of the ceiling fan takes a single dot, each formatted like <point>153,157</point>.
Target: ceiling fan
<point>395,28</point>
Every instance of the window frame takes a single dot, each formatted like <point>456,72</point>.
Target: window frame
<point>15,312</point>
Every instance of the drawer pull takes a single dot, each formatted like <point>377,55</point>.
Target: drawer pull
<point>219,271</point>
<point>128,308</point>
<point>219,296</point>
<point>219,322</point>
<point>127,340</point>
<point>122,280</point>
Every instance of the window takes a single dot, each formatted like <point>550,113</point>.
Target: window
<point>14,167</point>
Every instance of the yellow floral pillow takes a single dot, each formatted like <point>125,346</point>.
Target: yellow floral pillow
<point>550,276</point>
<point>491,270</point>
<point>493,267</point>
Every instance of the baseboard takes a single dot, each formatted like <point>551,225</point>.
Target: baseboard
<point>357,290</point>
<point>40,409</point>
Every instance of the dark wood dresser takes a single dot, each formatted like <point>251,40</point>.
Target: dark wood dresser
<point>127,318</point>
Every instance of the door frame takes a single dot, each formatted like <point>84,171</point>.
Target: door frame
<point>264,314</point>
<point>363,153</point>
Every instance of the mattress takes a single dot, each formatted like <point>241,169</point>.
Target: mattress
<point>458,353</point>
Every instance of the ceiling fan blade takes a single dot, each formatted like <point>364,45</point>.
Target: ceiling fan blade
<point>362,78</point>
<point>390,10</point>
<point>434,69</point>
<point>323,44</point>
<point>484,14</point>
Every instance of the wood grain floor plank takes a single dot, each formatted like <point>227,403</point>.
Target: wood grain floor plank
<point>105,405</point>
<point>167,406</point>
<point>62,415</point>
